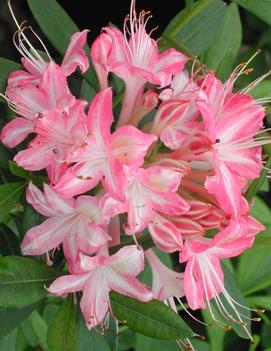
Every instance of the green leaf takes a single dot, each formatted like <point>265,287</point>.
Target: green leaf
<point>58,28</point>
<point>8,343</point>
<point>261,90</point>
<point>111,335</point>
<point>189,3</point>
<point>89,340</point>
<point>18,171</point>
<point>144,343</point>
<point>5,156</point>
<point>54,22</point>
<point>22,173</point>
<point>62,329</point>
<point>10,318</point>
<point>215,333</point>
<point>87,92</point>
<point>265,335</point>
<point>22,281</point>
<point>153,319</point>
<point>255,344</point>
<point>262,301</point>
<point>260,8</point>
<point>9,195</point>
<point>6,67</point>
<point>261,211</point>
<point>254,271</point>
<point>256,184</point>
<point>30,218</point>
<point>21,341</point>
<point>222,54</point>
<point>9,242</point>
<point>190,26</point>
<point>40,328</point>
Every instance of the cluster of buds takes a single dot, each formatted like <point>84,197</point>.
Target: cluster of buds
<point>176,161</point>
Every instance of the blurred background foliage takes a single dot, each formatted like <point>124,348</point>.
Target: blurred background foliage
<point>223,34</point>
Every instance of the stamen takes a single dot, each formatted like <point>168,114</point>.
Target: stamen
<point>49,262</point>
<point>30,53</point>
<point>138,246</point>
<point>229,299</point>
<point>190,314</point>
<point>255,83</point>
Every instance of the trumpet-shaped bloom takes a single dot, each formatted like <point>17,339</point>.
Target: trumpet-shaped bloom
<point>177,118</point>
<point>166,283</point>
<point>146,192</point>
<point>77,224</point>
<point>31,102</point>
<point>136,60</point>
<point>36,65</point>
<point>103,153</point>
<point>233,121</point>
<point>203,277</point>
<point>58,134</point>
<point>98,276</point>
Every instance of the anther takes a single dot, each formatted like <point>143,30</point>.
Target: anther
<point>217,140</point>
<point>248,71</point>
<point>256,319</point>
<point>38,115</point>
<point>260,310</point>
<point>227,327</point>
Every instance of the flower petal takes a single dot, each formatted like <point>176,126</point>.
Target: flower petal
<point>75,55</point>
<point>128,260</point>
<point>16,131</point>
<point>70,185</point>
<point>130,145</point>
<point>130,286</point>
<point>45,237</point>
<point>90,237</point>
<point>100,116</point>
<point>38,156</point>
<point>36,198</point>
<point>169,63</point>
<point>95,301</point>
<point>56,202</point>
<point>68,284</point>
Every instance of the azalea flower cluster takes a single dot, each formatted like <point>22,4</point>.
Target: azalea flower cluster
<point>176,162</point>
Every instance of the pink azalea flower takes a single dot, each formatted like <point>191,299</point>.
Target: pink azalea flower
<point>236,153</point>
<point>103,153</point>
<point>77,224</point>
<point>98,276</point>
<point>34,62</point>
<point>31,102</point>
<point>99,52</point>
<point>146,192</point>
<point>203,276</point>
<point>58,134</point>
<point>166,283</point>
<point>136,60</point>
<point>177,117</point>
<point>166,236</point>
